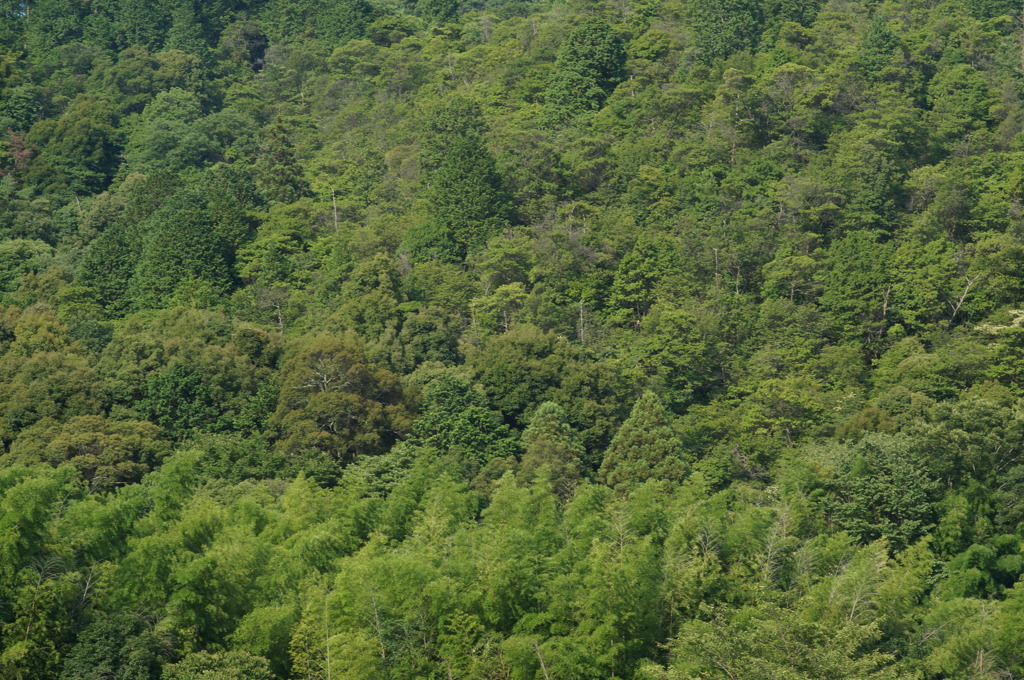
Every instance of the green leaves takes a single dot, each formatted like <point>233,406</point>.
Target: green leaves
<point>334,402</point>
<point>721,28</point>
<point>645,447</point>
<point>466,199</point>
<point>590,63</point>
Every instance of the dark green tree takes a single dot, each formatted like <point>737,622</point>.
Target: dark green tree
<point>186,31</point>
<point>339,21</point>
<point>590,63</point>
<point>121,646</point>
<point>858,285</point>
<point>721,28</point>
<point>456,419</point>
<point>466,200</point>
<point>278,173</point>
<point>647,446</point>
<point>80,147</point>
<point>180,248</point>
<point>438,11</point>
<point>881,491</point>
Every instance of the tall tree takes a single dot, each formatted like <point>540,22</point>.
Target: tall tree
<point>466,200</point>
<point>590,63</point>
<point>647,446</point>
<point>278,173</point>
<point>550,442</point>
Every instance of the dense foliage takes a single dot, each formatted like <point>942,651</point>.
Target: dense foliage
<point>534,340</point>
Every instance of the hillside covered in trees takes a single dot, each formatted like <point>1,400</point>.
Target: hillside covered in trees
<point>511,339</point>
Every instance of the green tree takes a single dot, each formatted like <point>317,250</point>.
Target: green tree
<point>167,136</point>
<point>278,173</point>
<point>550,442</point>
<point>219,666</point>
<point>857,286</point>
<point>455,418</point>
<point>718,29</point>
<point>960,100</point>
<point>466,199</point>
<point>79,149</point>
<point>645,274</point>
<point>647,446</point>
<point>180,248</point>
<point>121,645</point>
<point>339,21</point>
<point>334,401</point>
<point>881,491</point>
<point>672,355</point>
<point>106,452</point>
<point>590,63</point>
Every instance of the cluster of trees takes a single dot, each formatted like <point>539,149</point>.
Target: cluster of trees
<point>653,339</point>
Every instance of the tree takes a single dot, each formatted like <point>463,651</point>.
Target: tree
<point>334,401</point>
<point>646,274</point>
<point>121,646</point>
<point>857,286</point>
<point>219,666</point>
<point>645,447</point>
<point>19,257</point>
<point>180,400</point>
<point>106,452</point>
<point>456,419</point>
<point>47,384</point>
<point>550,442</point>
<point>466,200</point>
<point>278,173</point>
<point>168,136</point>
<point>672,355</point>
<point>718,29</point>
<point>960,100</point>
<point>186,31</point>
<point>79,149</point>
<point>181,248</point>
<point>339,21</point>
<point>881,491</point>
<point>590,63</point>
<point>746,645</point>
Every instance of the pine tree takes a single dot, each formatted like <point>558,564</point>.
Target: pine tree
<point>186,33</point>
<point>590,63</point>
<point>466,200</point>
<point>342,20</point>
<point>466,193</point>
<point>723,27</point>
<point>645,447</point>
<point>278,173</point>
<point>550,441</point>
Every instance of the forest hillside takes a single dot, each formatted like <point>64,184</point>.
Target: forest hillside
<point>511,339</point>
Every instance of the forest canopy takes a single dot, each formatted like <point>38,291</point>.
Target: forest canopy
<point>511,339</point>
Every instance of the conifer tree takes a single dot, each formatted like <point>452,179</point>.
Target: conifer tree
<point>180,246</point>
<point>645,447</point>
<point>723,27</point>
<point>466,199</point>
<point>186,33</point>
<point>550,441</point>
<point>342,20</point>
<point>278,173</point>
<point>590,63</point>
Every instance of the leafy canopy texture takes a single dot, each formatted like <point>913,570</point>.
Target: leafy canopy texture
<point>511,340</point>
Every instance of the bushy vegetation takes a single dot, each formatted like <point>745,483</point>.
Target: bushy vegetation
<point>533,340</point>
